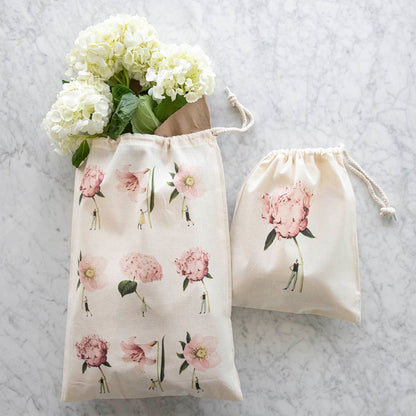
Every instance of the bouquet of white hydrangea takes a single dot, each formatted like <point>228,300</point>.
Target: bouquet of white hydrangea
<point>127,81</point>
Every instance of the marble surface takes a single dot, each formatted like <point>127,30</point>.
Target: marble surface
<point>314,73</point>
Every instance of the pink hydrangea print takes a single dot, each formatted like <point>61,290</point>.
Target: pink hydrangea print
<point>90,188</point>
<point>141,267</point>
<point>93,351</point>
<point>187,182</point>
<point>193,266</point>
<point>199,352</point>
<point>138,354</point>
<point>287,210</point>
<point>131,182</point>
<point>91,276</point>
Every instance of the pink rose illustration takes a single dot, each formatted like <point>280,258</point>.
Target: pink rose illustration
<point>187,182</point>
<point>193,265</point>
<point>142,267</point>
<point>90,187</point>
<point>131,182</point>
<point>287,209</point>
<point>93,351</point>
<point>199,352</point>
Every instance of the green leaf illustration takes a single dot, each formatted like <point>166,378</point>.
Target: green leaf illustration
<point>123,114</point>
<point>84,367</point>
<point>162,361</point>
<point>176,167</point>
<point>80,199</point>
<point>188,338</point>
<point>208,276</point>
<point>107,364</point>
<point>126,287</point>
<point>180,355</point>
<point>182,344</point>
<point>100,194</point>
<point>80,255</point>
<point>307,233</point>
<point>64,81</point>
<point>185,283</point>
<point>78,284</point>
<point>173,195</point>
<point>170,183</point>
<point>184,366</point>
<point>152,192</point>
<point>80,154</point>
<point>270,238</point>
<point>144,120</point>
<point>167,107</point>
<point>172,174</point>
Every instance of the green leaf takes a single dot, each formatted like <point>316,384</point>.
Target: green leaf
<point>144,120</point>
<point>208,276</point>
<point>173,195</point>
<point>107,364</point>
<point>80,154</point>
<point>172,174</point>
<point>162,361</point>
<point>152,192</point>
<point>188,338</point>
<point>180,355</point>
<point>118,91</point>
<point>100,194</point>
<point>270,238</point>
<point>78,284</point>
<point>307,233</point>
<point>184,366</point>
<point>170,183</point>
<point>167,107</point>
<point>123,114</point>
<point>182,344</point>
<point>185,283</point>
<point>125,287</point>
<point>84,367</point>
<point>80,255</point>
<point>176,167</point>
<point>80,199</point>
<point>64,81</point>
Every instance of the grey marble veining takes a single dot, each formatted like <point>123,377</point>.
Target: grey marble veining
<point>314,73</point>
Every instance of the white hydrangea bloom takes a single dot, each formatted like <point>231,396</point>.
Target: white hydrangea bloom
<point>141,42</point>
<point>83,107</point>
<point>181,70</point>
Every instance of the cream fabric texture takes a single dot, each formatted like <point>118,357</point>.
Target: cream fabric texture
<point>150,275</point>
<point>293,236</point>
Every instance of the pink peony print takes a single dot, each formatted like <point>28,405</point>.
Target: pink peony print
<point>91,181</point>
<point>188,181</point>
<point>287,210</point>
<point>91,272</point>
<point>92,350</point>
<point>142,267</point>
<point>137,353</point>
<point>193,264</point>
<point>131,182</point>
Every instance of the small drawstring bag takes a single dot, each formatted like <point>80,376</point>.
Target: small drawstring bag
<point>293,235</point>
<point>149,298</point>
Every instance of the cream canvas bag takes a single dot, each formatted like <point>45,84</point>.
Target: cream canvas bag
<point>150,283</point>
<point>293,236</point>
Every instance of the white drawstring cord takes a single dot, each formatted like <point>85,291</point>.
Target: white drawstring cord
<point>386,210</point>
<point>246,115</point>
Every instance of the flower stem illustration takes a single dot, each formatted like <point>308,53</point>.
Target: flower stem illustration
<point>301,265</point>
<point>97,210</point>
<point>150,202</point>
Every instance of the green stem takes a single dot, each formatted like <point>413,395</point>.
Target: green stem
<point>126,77</point>
<point>147,198</point>
<point>183,206</point>
<point>157,367</point>
<point>105,380</point>
<point>301,263</point>
<point>82,297</point>
<point>118,79</point>
<point>98,213</point>
<point>146,306</point>
<point>193,376</point>
<point>206,291</point>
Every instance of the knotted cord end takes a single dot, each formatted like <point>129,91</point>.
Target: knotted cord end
<point>231,97</point>
<point>388,212</point>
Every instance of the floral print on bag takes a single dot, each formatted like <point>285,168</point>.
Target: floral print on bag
<point>200,353</point>
<point>93,351</point>
<point>287,209</point>
<point>187,182</point>
<point>132,183</point>
<point>91,276</point>
<point>142,267</point>
<point>90,188</point>
<point>138,354</point>
<point>193,265</point>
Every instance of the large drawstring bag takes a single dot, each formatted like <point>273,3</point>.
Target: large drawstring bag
<point>150,280</point>
<point>294,238</point>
